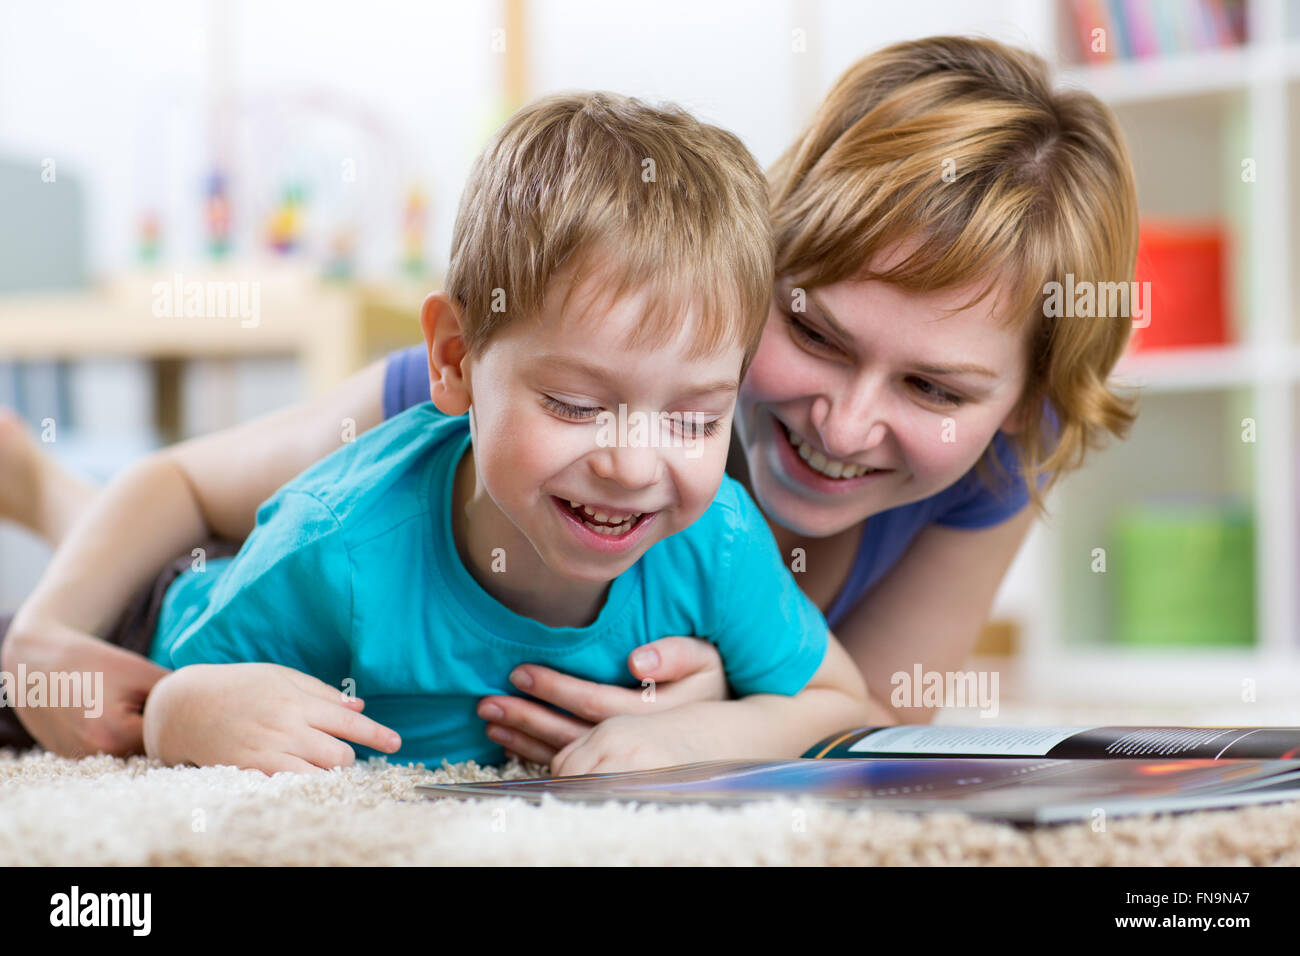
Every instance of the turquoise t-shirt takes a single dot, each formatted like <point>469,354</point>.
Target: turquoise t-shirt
<point>352,572</point>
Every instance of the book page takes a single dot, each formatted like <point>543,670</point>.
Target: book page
<point>963,741</point>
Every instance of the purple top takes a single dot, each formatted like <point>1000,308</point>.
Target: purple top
<point>967,503</point>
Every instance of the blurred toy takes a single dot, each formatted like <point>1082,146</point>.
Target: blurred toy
<point>341,260</point>
<point>148,234</point>
<point>216,214</point>
<point>414,225</point>
<point>284,231</point>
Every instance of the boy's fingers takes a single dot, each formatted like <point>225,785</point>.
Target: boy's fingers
<point>559,763</point>
<point>347,724</point>
<point>271,763</point>
<point>584,699</point>
<point>533,719</point>
<point>706,685</point>
<point>572,762</point>
<point>317,687</point>
<point>322,750</point>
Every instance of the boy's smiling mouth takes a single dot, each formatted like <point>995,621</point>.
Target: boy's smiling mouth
<point>603,527</point>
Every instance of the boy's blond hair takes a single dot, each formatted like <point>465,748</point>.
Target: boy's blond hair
<point>645,198</point>
<point>1039,184</point>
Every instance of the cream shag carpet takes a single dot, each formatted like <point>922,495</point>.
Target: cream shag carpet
<point>108,811</point>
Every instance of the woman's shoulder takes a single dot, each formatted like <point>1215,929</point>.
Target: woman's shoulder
<point>986,495</point>
<point>406,380</point>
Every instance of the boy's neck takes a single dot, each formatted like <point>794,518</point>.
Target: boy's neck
<point>527,585</point>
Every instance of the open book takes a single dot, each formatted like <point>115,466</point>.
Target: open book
<point>924,740</point>
<point>1018,774</point>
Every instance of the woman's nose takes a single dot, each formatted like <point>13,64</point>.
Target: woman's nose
<point>852,423</point>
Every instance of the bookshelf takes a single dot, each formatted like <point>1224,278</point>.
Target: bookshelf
<point>1245,101</point>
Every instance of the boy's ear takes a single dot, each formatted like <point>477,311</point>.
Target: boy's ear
<point>440,319</point>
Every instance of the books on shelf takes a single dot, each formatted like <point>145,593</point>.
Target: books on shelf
<point>1016,774</point>
<point>1109,30</point>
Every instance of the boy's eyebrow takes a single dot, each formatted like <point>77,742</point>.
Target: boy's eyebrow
<point>957,368</point>
<point>601,374</point>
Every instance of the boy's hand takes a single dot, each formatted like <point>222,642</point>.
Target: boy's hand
<point>682,670</point>
<point>641,742</point>
<point>263,717</point>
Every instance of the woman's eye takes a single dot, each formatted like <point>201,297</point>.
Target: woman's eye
<point>808,335</point>
<point>935,393</point>
<point>565,410</point>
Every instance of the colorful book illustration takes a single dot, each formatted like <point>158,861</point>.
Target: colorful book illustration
<point>1024,775</point>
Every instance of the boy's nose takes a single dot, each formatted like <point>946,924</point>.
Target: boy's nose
<point>630,466</point>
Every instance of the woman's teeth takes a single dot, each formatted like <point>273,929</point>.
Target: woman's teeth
<point>820,463</point>
<point>610,525</point>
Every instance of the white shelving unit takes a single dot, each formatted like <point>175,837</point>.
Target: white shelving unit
<point>1192,398</point>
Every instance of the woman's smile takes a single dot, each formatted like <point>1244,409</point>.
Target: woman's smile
<point>810,469</point>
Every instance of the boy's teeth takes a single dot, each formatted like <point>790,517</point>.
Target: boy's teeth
<point>610,530</point>
<point>603,517</point>
<point>819,462</point>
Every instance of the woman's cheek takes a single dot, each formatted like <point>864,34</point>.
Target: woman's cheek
<point>778,367</point>
<point>950,451</point>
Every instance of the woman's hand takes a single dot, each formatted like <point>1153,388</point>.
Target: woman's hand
<point>256,716</point>
<point>47,646</point>
<point>675,671</point>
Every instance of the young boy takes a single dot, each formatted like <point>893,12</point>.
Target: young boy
<point>611,265</point>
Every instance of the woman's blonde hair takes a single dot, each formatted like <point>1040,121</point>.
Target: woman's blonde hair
<point>962,145</point>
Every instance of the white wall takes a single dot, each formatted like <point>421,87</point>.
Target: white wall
<point>120,94</point>
<point>737,63</point>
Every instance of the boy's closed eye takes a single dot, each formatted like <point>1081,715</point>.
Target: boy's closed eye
<point>689,423</point>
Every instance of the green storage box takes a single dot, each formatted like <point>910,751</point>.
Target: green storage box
<point>1184,575</point>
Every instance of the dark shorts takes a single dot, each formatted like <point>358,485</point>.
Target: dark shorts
<point>134,630</point>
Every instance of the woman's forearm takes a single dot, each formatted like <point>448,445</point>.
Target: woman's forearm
<point>141,520</point>
<point>179,497</point>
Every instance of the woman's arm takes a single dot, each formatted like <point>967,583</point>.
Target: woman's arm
<point>930,607</point>
<point>755,727</point>
<point>162,506</point>
<point>178,497</point>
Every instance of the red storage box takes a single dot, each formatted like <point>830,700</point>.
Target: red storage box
<point>1186,264</point>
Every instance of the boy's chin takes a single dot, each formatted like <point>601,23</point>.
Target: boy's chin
<point>596,569</point>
